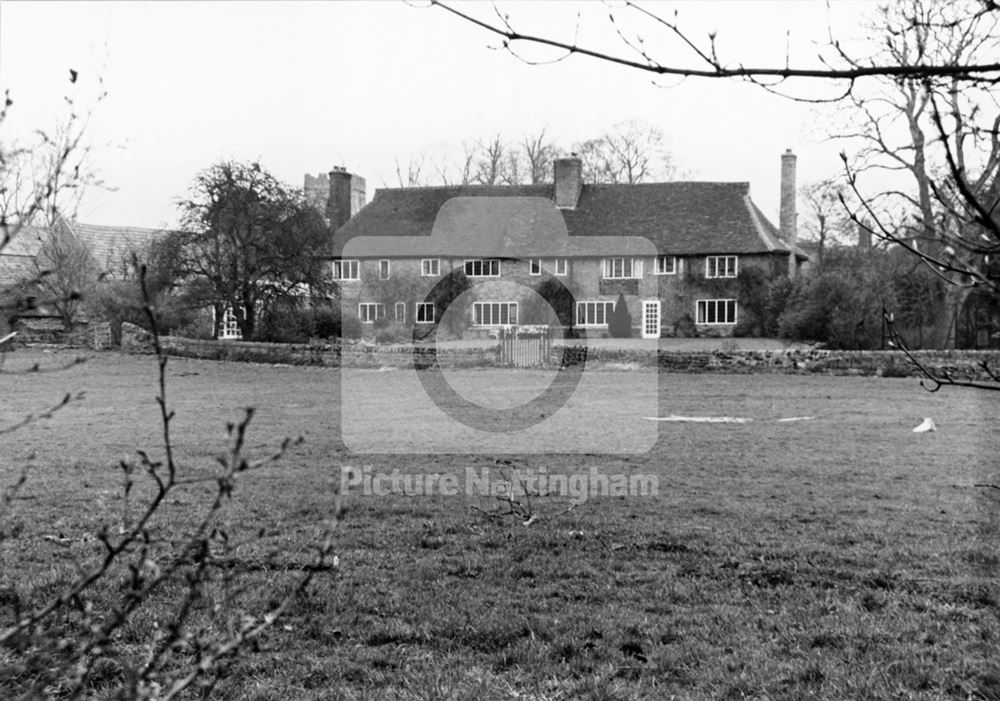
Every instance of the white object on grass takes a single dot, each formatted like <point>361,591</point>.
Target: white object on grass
<point>927,425</point>
<point>796,418</point>
<point>701,419</point>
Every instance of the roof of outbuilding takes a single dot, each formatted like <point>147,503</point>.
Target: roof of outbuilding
<point>24,241</point>
<point>680,218</point>
<point>109,243</point>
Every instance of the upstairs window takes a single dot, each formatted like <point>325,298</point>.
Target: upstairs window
<point>489,267</point>
<point>562,266</point>
<point>345,270</point>
<point>665,265</point>
<point>383,269</point>
<point>720,266</point>
<point>535,266</point>
<point>430,267</point>
<point>622,268</point>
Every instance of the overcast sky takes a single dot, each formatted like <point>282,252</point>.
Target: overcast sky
<point>306,86</point>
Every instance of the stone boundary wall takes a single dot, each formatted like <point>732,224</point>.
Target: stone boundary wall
<point>962,364</point>
<point>322,354</point>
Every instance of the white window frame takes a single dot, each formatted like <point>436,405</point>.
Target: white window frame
<point>420,313</point>
<point>591,320</point>
<point>430,267</point>
<point>399,312</point>
<point>702,311</point>
<point>229,328</point>
<point>659,265</point>
<point>712,266</point>
<point>534,266</point>
<point>388,269</point>
<point>492,262</point>
<point>494,310</point>
<point>634,268</point>
<point>352,265</point>
<point>561,267</point>
<point>372,311</point>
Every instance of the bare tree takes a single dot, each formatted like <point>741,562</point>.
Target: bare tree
<point>941,135</point>
<point>43,179</point>
<point>538,152</point>
<point>825,221</point>
<point>414,172</point>
<point>630,152</point>
<point>460,170</point>
<point>65,272</point>
<point>640,53</point>
<point>491,165</point>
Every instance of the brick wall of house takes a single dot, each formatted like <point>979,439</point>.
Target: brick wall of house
<point>678,292</point>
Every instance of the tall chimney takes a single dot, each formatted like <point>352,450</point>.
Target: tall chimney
<point>864,236</point>
<point>347,196</point>
<point>786,215</point>
<point>569,181</point>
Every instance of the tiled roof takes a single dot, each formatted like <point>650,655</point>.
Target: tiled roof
<point>680,218</point>
<point>26,242</point>
<point>109,243</point>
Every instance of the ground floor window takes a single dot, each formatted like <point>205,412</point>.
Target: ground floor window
<point>368,312</point>
<point>400,312</point>
<point>229,328</point>
<point>716,311</point>
<point>593,313</point>
<point>425,312</point>
<point>494,313</point>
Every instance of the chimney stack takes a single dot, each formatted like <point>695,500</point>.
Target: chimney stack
<point>346,196</point>
<point>569,181</point>
<point>864,236</point>
<point>786,215</point>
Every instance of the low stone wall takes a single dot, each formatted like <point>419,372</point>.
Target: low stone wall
<point>961,364</point>
<point>322,354</point>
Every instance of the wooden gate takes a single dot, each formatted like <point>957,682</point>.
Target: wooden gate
<point>524,347</point>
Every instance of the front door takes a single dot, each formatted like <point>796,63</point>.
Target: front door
<point>651,318</point>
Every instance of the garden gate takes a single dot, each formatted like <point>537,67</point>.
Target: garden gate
<point>524,346</point>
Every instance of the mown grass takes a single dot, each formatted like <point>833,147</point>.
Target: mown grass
<point>840,557</point>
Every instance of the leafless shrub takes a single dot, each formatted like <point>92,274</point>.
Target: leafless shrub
<point>63,645</point>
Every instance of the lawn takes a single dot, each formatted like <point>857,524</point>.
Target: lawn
<point>842,556</point>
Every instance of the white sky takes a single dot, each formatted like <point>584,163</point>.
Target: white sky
<point>307,86</point>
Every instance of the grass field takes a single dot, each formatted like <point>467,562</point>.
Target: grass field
<point>838,557</point>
